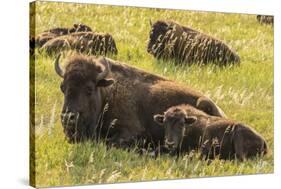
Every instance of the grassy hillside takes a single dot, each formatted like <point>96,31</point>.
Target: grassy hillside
<point>244,92</point>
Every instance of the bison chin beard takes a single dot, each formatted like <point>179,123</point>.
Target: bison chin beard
<point>79,132</point>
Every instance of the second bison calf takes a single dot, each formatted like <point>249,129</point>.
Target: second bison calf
<point>188,127</point>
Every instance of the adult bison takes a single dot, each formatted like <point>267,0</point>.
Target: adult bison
<point>187,128</point>
<point>83,42</point>
<point>106,99</point>
<point>47,35</point>
<point>263,19</point>
<point>170,40</point>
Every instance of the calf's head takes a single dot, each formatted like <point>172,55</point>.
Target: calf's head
<point>83,86</point>
<point>175,121</point>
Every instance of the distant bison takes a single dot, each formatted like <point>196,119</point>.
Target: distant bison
<point>83,42</point>
<point>263,19</point>
<point>187,128</point>
<point>169,40</point>
<point>47,35</point>
<point>110,100</point>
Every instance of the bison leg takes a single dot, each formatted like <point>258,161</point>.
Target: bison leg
<point>205,150</point>
<point>209,107</point>
<point>209,149</point>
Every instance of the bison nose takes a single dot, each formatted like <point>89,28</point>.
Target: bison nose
<point>169,144</point>
<point>69,118</point>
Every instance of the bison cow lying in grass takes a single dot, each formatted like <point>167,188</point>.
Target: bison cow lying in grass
<point>47,35</point>
<point>263,19</point>
<point>83,42</point>
<point>187,128</point>
<point>110,100</point>
<point>169,40</point>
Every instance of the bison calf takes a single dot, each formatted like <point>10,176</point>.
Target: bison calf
<point>169,40</point>
<point>183,130</point>
<point>189,128</point>
<point>83,42</point>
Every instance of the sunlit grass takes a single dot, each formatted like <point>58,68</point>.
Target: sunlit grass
<point>244,92</point>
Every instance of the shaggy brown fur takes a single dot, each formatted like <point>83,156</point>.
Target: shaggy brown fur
<point>229,139</point>
<point>169,40</point>
<point>126,107</point>
<point>55,32</point>
<point>83,42</point>
<point>265,19</point>
<point>188,128</point>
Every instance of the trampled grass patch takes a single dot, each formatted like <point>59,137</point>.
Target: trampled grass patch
<point>244,92</point>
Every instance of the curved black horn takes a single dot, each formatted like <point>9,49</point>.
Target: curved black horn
<point>106,70</point>
<point>59,71</point>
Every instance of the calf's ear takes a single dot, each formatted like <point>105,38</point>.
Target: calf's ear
<point>189,120</point>
<point>159,119</point>
<point>105,82</point>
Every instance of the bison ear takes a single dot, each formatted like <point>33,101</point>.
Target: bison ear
<point>189,120</point>
<point>159,119</point>
<point>105,82</point>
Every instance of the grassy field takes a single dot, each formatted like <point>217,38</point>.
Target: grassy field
<point>244,92</point>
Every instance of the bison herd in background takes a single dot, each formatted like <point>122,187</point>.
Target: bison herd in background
<point>127,107</point>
